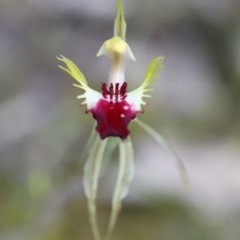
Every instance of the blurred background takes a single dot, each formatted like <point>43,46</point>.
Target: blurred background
<point>195,105</point>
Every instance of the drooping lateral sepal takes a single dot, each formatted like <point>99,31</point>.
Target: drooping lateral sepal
<point>124,180</point>
<point>92,170</point>
<point>163,143</point>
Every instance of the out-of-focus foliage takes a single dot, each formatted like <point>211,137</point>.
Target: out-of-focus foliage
<point>43,129</point>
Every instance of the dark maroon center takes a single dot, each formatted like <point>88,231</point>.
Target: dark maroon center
<point>113,113</point>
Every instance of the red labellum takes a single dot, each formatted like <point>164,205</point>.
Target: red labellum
<point>113,113</point>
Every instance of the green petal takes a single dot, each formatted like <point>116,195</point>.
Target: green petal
<point>136,96</point>
<point>73,70</point>
<point>120,25</point>
<point>153,68</point>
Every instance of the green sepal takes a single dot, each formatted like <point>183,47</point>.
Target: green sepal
<point>124,179</point>
<point>92,170</point>
<point>152,70</point>
<point>73,70</point>
<point>120,25</point>
<point>163,143</point>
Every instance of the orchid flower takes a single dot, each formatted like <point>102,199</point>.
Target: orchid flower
<point>113,109</point>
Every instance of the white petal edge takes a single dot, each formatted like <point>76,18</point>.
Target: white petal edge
<point>90,97</point>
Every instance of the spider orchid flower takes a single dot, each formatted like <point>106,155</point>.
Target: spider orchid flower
<point>114,108</point>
